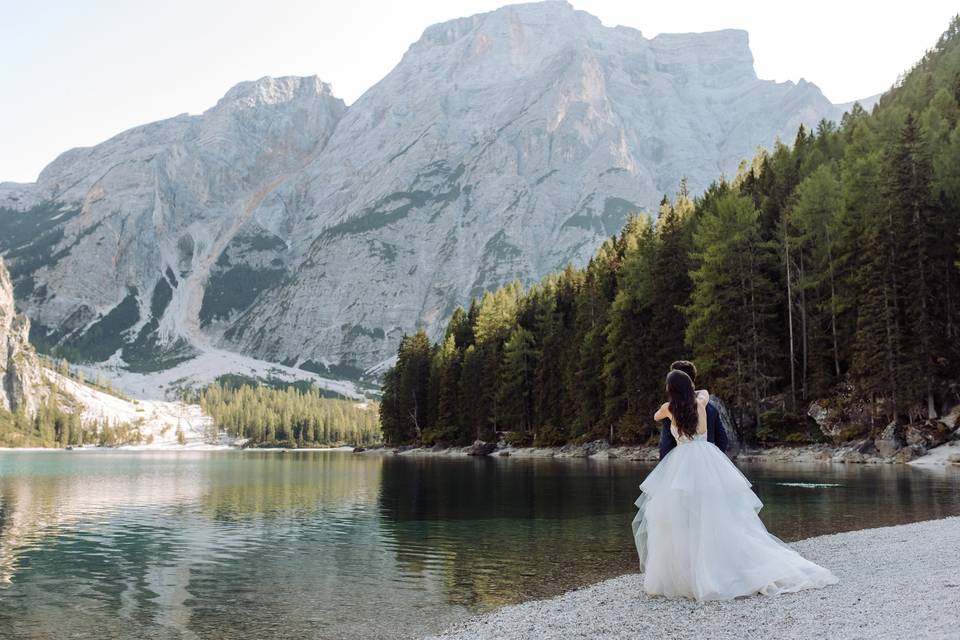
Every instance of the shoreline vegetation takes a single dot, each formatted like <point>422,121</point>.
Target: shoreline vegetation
<point>912,597</point>
<point>816,291</point>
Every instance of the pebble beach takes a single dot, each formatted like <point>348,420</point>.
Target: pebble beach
<point>895,582</point>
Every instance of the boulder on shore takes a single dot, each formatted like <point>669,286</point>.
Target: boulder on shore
<point>890,440</point>
<point>910,452</point>
<point>481,448</point>
<point>820,414</point>
<point>929,434</point>
<point>404,447</point>
<point>843,416</point>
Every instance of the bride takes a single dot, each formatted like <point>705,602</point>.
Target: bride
<point>697,532</point>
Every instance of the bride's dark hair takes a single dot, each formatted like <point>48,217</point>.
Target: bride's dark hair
<point>683,402</point>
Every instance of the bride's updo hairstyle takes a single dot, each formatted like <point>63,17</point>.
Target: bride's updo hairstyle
<point>683,402</point>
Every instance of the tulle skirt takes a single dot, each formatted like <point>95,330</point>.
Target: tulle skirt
<point>698,534</point>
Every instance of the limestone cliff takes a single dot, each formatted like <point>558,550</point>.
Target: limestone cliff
<point>22,385</point>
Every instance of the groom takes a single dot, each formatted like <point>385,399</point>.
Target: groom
<point>715,431</point>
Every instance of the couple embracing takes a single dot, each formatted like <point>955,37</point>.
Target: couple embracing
<point>697,531</point>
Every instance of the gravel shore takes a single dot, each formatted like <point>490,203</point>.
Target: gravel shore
<point>895,582</point>
<point>849,453</point>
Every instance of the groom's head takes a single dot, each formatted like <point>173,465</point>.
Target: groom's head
<point>687,367</point>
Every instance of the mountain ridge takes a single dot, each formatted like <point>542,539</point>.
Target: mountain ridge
<point>283,224</point>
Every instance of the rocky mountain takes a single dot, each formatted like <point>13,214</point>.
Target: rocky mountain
<point>22,384</point>
<point>283,225</point>
<point>117,249</point>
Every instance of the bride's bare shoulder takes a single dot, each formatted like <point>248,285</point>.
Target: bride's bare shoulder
<point>662,412</point>
<point>703,396</point>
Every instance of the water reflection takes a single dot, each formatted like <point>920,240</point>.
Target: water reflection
<point>326,544</point>
<point>864,496</point>
<point>510,530</point>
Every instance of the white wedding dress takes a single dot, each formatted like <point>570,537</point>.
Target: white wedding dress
<point>698,533</point>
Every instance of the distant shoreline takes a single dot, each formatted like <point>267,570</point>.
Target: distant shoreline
<point>895,582</point>
<point>943,456</point>
<point>172,448</point>
<point>947,454</point>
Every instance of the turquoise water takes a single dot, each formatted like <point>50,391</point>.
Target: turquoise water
<point>114,544</point>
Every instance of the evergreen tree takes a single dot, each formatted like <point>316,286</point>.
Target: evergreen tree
<point>593,304</point>
<point>732,304</point>
<point>445,383</point>
<point>555,388</point>
<point>516,389</point>
<point>413,385</point>
<point>474,423</point>
<point>671,285</point>
<point>926,255</point>
<point>629,362</point>
<point>814,216</point>
<point>495,317</point>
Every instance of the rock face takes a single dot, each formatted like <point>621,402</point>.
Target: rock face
<point>21,379</point>
<point>284,225</point>
<point>726,420</point>
<point>130,247</point>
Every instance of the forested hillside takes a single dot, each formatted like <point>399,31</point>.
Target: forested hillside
<point>823,271</point>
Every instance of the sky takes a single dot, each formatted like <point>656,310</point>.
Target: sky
<point>75,73</point>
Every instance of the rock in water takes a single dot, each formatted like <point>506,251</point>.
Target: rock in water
<point>22,385</point>
<point>285,225</point>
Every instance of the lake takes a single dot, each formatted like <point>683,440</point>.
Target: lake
<point>117,544</point>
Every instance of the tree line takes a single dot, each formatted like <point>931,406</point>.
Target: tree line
<point>826,270</point>
<point>261,414</point>
<point>289,417</point>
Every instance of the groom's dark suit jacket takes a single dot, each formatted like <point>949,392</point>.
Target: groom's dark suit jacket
<point>715,432</point>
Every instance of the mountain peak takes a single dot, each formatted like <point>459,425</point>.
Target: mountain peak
<point>269,90</point>
<point>491,23</point>
<point>713,51</point>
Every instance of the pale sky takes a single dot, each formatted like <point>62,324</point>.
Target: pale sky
<point>75,73</point>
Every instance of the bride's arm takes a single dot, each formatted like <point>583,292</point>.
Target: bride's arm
<point>662,412</point>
